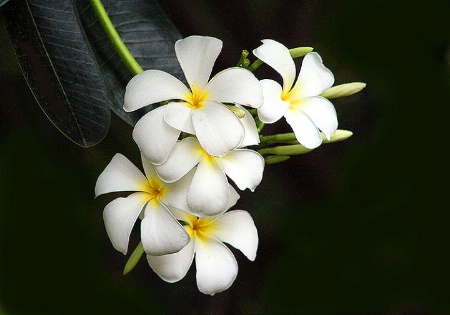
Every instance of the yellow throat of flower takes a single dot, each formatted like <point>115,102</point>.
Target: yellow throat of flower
<point>292,96</point>
<point>200,227</point>
<point>196,98</point>
<point>154,190</point>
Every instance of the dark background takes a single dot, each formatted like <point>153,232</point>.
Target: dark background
<point>356,227</point>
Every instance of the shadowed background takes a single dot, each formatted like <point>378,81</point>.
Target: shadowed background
<point>356,227</point>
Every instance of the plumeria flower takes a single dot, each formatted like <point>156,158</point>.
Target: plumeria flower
<point>215,263</point>
<point>298,102</point>
<point>197,109</point>
<point>161,233</point>
<point>209,192</point>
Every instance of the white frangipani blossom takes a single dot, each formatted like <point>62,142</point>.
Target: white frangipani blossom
<point>197,109</point>
<point>298,101</point>
<point>161,233</point>
<point>215,263</point>
<point>209,193</point>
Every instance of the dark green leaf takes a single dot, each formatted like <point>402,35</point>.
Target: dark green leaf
<point>59,67</point>
<point>71,66</point>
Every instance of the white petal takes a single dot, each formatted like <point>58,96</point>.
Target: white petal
<point>237,229</point>
<point>278,57</point>
<point>185,156</point>
<point>322,112</point>
<point>304,129</point>
<point>274,107</point>
<point>235,85</point>
<point>251,136</point>
<point>234,197</point>
<point>209,193</point>
<point>217,128</point>
<point>119,175</point>
<point>178,115</point>
<point>173,267</point>
<point>216,266</point>
<point>149,168</point>
<point>183,215</point>
<point>314,77</point>
<point>197,55</point>
<point>244,167</point>
<point>152,86</point>
<point>119,217</point>
<point>154,137</point>
<point>176,193</point>
<point>161,233</point>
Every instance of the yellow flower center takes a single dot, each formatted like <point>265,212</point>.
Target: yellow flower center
<point>196,98</point>
<point>154,190</point>
<point>201,227</point>
<point>292,97</point>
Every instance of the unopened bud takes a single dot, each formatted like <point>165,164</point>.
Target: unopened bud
<point>300,51</point>
<point>343,90</point>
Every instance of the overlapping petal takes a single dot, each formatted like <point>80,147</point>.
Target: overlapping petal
<point>152,86</point>
<point>274,106</point>
<point>322,113</point>
<point>314,77</point>
<point>217,128</point>
<point>216,266</point>
<point>197,55</point>
<point>173,267</point>
<point>154,137</point>
<point>278,57</point>
<point>161,233</point>
<point>304,129</point>
<point>209,193</point>
<point>237,229</point>
<point>179,116</point>
<point>245,167</point>
<point>236,85</point>
<point>185,156</point>
<point>175,193</point>
<point>119,175</point>
<point>119,217</point>
<point>251,135</point>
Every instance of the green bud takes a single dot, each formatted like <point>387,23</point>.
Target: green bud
<point>134,258</point>
<point>339,135</point>
<point>343,90</point>
<point>239,112</point>
<point>243,61</point>
<point>294,149</point>
<point>300,51</point>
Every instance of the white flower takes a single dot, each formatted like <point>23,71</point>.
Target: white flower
<point>299,103</point>
<point>209,193</point>
<point>197,110</point>
<point>216,265</point>
<point>161,233</point>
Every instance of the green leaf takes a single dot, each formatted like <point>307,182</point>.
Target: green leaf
<point>72,68</point>
<point>59,67</point>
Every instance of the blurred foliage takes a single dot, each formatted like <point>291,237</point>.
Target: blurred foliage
<point>356,227</point>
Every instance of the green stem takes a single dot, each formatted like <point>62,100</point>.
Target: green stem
<point>114,37</point>
<point>134,258</point>
<point>294,149</point>
<point>283,137</point>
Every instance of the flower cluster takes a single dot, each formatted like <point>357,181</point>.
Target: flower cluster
<point>198,150</point>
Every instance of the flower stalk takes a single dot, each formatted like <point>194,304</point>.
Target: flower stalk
<point>120,47</point>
